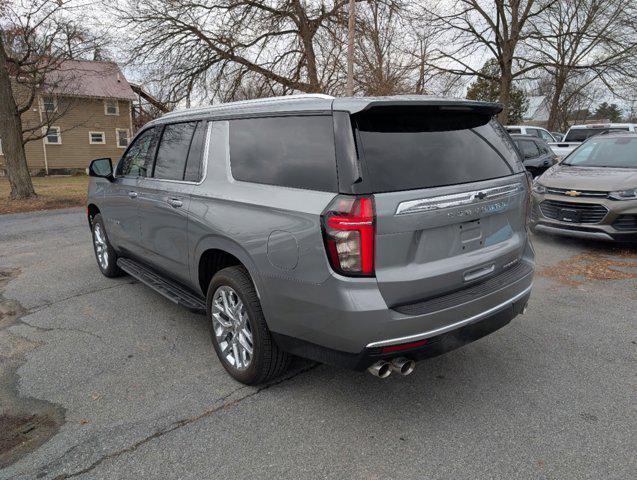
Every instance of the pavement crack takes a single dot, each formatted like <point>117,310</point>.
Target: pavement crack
<point>187,421</point>
<point>64,329</point>
<point>76,295</point>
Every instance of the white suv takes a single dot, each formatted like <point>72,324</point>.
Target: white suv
<point>539,132</point>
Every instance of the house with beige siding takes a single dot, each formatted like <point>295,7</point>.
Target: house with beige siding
<point>89,105</point>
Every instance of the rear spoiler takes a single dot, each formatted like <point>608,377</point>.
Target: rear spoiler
<point>356,105</point>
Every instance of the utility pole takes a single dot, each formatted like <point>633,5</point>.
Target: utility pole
<point>350,48</point>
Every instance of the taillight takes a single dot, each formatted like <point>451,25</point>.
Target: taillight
<point>348,230</point>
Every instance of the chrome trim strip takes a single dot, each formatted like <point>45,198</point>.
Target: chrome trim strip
<point>573,233</point>
<point>452,326</point>
<point>456,199</point>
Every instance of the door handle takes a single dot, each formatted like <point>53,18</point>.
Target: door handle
<point>132,194</point>
<point>175,202</point>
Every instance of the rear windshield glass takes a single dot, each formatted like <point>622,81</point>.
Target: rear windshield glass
<point>405,149</point>
<point>581,134</point>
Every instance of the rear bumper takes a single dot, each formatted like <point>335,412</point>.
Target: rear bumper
<point>437,343</point>
<point>344,319</point>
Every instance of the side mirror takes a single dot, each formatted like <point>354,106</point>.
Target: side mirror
<point>101,168</point>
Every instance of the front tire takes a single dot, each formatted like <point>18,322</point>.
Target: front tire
<point>240,335</point>
<point>104,252</point>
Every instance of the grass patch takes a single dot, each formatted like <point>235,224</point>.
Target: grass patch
<point>53,192</point>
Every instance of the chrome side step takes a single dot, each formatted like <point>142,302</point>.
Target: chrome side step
<point>170,289</point>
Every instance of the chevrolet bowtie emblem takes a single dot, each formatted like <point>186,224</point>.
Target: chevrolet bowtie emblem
<point>573,193</point>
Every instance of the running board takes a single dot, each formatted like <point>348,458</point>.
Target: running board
<point>168,288</point>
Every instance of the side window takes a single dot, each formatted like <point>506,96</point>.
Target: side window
<point>294,151</point>
<point>194,166</point>
<point>533,131</point>
<point>137,159</point>
<point>529,149</point>
<point>173,151</point>
<point>546,136</point>
<point>513,130</point>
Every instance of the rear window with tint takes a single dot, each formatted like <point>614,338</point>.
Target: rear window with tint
<point>294,151</point>
<point>411,148</point>
<point>173,151</point>
<point>581,134</point>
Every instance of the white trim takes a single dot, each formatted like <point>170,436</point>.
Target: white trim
<point>55,104</point>
<point>46,136</point>
<point>117,130</point>
<point>106,102</point>
<point>90,138</point>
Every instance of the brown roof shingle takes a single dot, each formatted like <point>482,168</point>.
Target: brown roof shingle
<point>85,78</point>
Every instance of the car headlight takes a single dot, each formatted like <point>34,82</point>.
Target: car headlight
<point>630,194</point>
<point>538,187</point>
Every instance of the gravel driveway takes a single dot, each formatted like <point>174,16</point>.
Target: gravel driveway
<point>105,379</point>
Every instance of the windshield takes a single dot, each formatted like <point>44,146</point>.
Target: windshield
<point>616,152</point>
<point>581,134</point>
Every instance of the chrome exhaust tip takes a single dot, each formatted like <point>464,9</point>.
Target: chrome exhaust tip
<point>403,365</point>
<point>380,369</point>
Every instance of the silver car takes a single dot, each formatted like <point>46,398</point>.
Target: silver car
<point>362,232</point>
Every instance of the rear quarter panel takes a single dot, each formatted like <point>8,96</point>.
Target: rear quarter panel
<point>274,231</point>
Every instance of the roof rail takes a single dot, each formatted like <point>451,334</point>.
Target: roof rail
<point>241,103</point>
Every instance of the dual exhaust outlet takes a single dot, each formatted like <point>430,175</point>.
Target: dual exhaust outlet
<point>383,368</point>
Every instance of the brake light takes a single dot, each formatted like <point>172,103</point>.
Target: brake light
<point>348,231</point>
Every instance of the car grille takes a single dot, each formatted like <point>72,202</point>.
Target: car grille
<point>582,193</point>
<point>588,213</point>
<point>625,222</point>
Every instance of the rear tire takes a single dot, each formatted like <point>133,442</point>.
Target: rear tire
<point>104,251</point>
<point>240,335</point>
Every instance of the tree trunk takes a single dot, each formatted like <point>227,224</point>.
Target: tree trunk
<point>554,111</point>
<point>11,134</point>
<point>505,96</point>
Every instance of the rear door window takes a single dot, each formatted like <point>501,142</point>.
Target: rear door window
<point>291,151</point>
<point>173,151</point>
<point>194,166</point>
<point>529,149</point>
<point>413,148</point>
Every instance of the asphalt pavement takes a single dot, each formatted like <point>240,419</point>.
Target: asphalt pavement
<point>105,379</point>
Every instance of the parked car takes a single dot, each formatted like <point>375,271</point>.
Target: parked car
<point>558,136</point>
<point>362,232</point>
<point>538,132</point>
<point>578,133</point>
<point>536,154</point>
<point>592,193</point>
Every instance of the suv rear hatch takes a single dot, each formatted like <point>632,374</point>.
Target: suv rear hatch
<point>450,195</point>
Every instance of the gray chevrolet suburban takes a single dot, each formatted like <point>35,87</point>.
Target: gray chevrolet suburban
<point>362,232</point>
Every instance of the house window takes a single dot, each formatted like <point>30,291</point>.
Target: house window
<point>111,107</point>
<point>122,137</point>
<point>53,136</point>
<point>96,138</point>
<point>49,104</point>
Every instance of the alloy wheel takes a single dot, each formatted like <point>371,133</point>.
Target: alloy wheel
<point>232,328</point>
<point>101,247</point>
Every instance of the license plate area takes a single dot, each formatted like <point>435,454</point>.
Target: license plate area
<point>570,215</point>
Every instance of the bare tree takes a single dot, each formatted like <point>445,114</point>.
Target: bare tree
<point>199,41</point>
<point>580,42</point>
<point>473,28</point>
<point>34,41</point>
